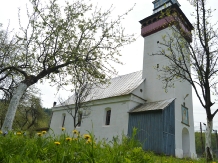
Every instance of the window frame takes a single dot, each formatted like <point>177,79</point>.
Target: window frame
<point>79,119</point>
<point>107,117</point>
<point>185,115</point>
<point>63,119</point>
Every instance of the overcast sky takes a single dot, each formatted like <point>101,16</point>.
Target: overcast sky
<point>132,54</point>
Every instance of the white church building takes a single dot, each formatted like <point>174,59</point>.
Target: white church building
<point>164,119</point>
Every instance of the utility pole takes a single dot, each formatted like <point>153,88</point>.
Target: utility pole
<point>202,143</point>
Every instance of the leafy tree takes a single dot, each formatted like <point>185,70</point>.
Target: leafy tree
<point>8,78</point>
<point>201,55</point>
<point>58,39</point>
<point>199,144</point>
<point>30,115</point>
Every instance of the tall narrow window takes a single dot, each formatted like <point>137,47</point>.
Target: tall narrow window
<point>108,116</point>
<point>79,119</point>
<point>63,119</point>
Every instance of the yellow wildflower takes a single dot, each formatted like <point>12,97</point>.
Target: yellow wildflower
<point>18,133</point>
<point>0,132</point>
<point>57,143</point>
<point>62,128</point>
<point>68,139</point>
<point>75,139</point>
<point>39,134</point>
<point>43,132</point>
<point>86,136</point>
<point>75,132</point>
<point>88,141</point>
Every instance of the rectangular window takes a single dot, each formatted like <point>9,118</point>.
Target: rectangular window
<point>185,118</point>
<point>108,116</point>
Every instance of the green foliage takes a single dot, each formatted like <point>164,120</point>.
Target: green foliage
<point>29,116</point>
<point>19,147</point>
<point>198,142</point>
<point>70,39</point>
<point>61,43</point>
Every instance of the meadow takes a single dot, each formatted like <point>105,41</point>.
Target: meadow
<point>19,147</point>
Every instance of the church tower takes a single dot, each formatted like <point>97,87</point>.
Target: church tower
<point>153,29</point>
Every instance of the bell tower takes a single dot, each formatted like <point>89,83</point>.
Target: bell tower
<point>153,28</point>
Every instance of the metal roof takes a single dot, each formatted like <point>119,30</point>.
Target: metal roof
<point>158,105</point>
<point>121,85</point>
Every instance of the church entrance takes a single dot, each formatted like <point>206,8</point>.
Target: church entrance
<point>185,142</point>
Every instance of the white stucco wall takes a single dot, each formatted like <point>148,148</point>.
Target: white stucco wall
<point>140,91</point>
<point>95,122</point>
<point>154,90</point>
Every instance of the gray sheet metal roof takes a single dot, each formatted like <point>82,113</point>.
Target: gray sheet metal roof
<point>158,105</point>
<point>121,85</point>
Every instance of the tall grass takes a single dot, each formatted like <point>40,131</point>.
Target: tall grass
<point>20,148</point>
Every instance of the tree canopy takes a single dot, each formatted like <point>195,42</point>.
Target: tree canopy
<point>61,42</point>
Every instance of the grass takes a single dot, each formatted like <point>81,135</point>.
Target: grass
<point>43,148</point>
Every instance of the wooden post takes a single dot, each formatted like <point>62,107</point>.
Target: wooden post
<point>202,143</point>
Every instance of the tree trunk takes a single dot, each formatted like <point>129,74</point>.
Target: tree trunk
<point>208,148</point>
<point>9,118</point>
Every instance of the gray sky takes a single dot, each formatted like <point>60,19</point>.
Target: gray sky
<point>132,54</point>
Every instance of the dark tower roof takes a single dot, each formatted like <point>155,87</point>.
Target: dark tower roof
<point>159,20</point>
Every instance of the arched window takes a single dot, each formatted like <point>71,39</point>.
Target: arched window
<point>63,119</point>
<point>155,19</point>
<point>108,116</point>
<point>79,118</point>
<point>149,22</point>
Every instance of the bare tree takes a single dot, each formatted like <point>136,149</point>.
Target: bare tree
<point>58,39</point>
<point>78,105</point>
<point>192,61</point>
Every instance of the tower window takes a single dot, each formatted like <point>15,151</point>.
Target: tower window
<point>155,19</point>
<point>149,22</point>
<point>108,116</point>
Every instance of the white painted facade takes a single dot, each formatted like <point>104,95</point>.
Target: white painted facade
<point>95,122</point>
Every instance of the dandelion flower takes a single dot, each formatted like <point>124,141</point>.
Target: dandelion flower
<point>86,136</point>
<point>43,132</point>
<point>1,132</point>
<point>75,132</point>
<point>39,134</point>
<point>62,128</point>
<point>57,143</point>
<point>18,133</point>
<point>68,139</point>
<point>75,139</point>
<point>88,141</point>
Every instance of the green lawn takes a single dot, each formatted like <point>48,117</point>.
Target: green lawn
<point>43,148</point>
